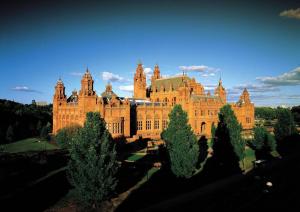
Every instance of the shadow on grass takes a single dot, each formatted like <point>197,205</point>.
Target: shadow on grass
<point>124,149</point>
<point>130,173</point>
<point>164,185</point>
<point>39,196</point>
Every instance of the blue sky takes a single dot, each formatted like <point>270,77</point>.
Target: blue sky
<point>254,44</point>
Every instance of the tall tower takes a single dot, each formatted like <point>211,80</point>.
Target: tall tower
<point>220,91</point>
<point>139,83</point>
<point>59,99</point>
<point>87,84</point>
<point>156,74</point>
<point>59,95</point>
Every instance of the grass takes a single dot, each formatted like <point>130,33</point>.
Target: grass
<point>29,144</point>
<point>249,157</point>
<point>135,157</point>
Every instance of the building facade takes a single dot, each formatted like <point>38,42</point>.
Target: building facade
<point>146,113</point>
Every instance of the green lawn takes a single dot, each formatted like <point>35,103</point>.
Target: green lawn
<point>29,144</point>
<point>250,156</point>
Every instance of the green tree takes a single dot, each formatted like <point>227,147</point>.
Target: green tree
<point>263,143</point>
<point>296,113</point>
<point>181,144</point>
<point>93,166</point>
<point>285,125</point>
<point>228,146</point>
<point>66,136</point>
<point>10,135</point>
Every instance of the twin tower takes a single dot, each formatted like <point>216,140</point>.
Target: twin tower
<point>140,86</point>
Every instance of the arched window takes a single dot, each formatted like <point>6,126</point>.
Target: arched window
<point>203,127</point>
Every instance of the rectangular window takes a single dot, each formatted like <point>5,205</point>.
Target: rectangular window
<point>139,125</point>
<point>164,124</point>
<point>156,124</point>
<point>196,113</point>
<point>148,125</point>
<point>202,112</point>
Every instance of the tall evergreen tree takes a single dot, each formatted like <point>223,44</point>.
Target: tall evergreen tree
<point>228,146</point>
<point>285,125</point>
<point>263,143</point>
<point>181,144</point>
<point>93,166</point>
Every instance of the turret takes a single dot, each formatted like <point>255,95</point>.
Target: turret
<point>59,99</point>
<point>139,83</point>
<point>87,85</point>
<point>156,74</point>
<point>59,94</point>
<point>245,98</point>
<point>220,91</point>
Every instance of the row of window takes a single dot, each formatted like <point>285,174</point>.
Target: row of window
<point>149,125</point>
<point>248,120</point>
<point>68,116</point>
<point>209,112</point>
<point>165,100</point>
<point>115,128</point>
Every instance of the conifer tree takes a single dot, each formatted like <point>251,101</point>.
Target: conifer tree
<point>285,125</point>
<point>93,166</point>
<point>263,143</point>
<point>228,146</point>
<point>181,144</point>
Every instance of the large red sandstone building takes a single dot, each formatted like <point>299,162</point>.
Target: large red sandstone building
<point>146,114</point>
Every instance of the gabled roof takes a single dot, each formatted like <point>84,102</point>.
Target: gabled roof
<point>175,82</point>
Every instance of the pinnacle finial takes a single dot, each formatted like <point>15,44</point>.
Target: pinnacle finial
<point>59,80</point>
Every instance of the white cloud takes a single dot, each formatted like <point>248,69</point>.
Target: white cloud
<point>210,87</point>
<point>25,89</point>
<point>148,70</point>
<point>108,76</point>
<point>205,71</point>
<point>292,13</point>
<point>255,87</point>
<point>286,79</point>
<point>200,68</point>
<point>128,88</point>
<point>78,74</point>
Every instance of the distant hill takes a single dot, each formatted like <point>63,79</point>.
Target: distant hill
<point>20,121</point>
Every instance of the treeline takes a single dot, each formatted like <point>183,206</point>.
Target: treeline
<point>20,121</point>
<point>269,113</point>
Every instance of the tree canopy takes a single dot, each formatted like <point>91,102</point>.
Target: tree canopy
<point>25,119</point>
<point>285,125</point>
<point>93,166</point>
<point>228,145</point>
<point>263,143</point>
<point>181,144</point>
